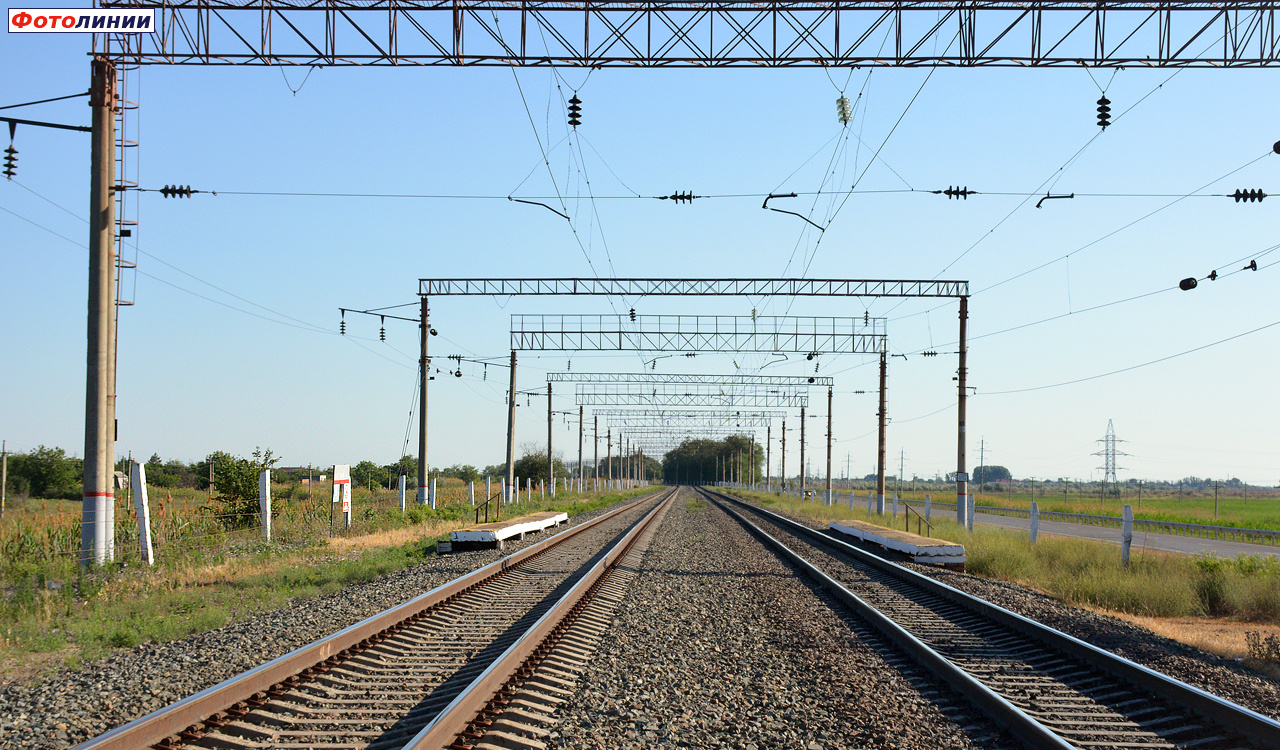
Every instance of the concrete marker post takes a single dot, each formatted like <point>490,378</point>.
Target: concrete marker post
<point>471,492</point>
<point>1126,535</point>
<point>264,502</point>
<point>970,513</point>
<point>1035,521</point>
<point>895,505</point>
<point>431,494</point>
<point>869,501</point>
<point>400,490</point>
<point>488,488</point>
<point>342,491</point>
<point>928,507</point>
<point>138,480</point>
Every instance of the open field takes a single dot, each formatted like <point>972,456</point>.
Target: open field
<point>1244,592</point>
<point>53,613</point>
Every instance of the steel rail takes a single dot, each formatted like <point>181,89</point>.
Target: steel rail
<point>191,711</point>
<point>1257,728</point>
<point>990,702</point>
<point>444,729</point>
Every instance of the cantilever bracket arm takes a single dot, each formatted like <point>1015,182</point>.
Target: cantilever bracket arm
<point>1048,197</point>
<point>535,203</point>
<point>793,213</point>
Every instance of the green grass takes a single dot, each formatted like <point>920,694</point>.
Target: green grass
<point>48,604</point>
<point>1086,572</point>
<point>1257,511</point>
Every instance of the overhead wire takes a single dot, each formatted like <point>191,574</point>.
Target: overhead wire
<point>1137,366</point>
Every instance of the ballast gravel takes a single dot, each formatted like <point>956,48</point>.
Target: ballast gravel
<point>70,707</point>
<point>718,644</point>
<point>1222,677</point>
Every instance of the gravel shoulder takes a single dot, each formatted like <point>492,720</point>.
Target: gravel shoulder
<point>718,644</point>
<point>70,707</point>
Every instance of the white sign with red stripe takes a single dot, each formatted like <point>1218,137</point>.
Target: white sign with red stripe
<point>342,486</point>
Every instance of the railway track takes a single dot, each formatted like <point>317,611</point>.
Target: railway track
<point>1047,688</point>
<point>408,676</point>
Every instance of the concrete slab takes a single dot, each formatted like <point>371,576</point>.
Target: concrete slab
<point>491,535</point>
<point>919,548</point>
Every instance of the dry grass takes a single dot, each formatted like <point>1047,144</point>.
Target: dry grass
<point>395,537</point>
<point>1223,637</point>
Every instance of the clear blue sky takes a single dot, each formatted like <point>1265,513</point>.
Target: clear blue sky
<point>197,374</point>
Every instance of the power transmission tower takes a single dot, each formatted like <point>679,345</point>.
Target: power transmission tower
<point>1109,453</point>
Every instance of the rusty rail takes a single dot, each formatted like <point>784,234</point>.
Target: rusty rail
<point>453,726</point>
<point>192,712</point>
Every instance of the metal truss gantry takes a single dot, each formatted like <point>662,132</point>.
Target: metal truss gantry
<point>698,333</point>
<point>653,377</point>
<point>679,419</point>
<point>690,288</point>
<point>724,33</point>
<point>690,395</point>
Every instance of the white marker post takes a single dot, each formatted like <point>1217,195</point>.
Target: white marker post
<point>140,506</point>
<point>401,490</point>
<point>471,492</point>
<point>970,513</point>
<point>488,488</point>
<point>895,505</point>
<point>1126,535</point>
<point>928,506</point>
<point>342,491</point>
<point>431,494</point>
<point>264,502</point>
<point>1035,521</point>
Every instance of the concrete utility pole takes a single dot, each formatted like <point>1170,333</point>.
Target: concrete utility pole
<point>782,480</point>
<point>582,477</point>
<point>829,445</point>
<point>511,434</point>
<point>768,456</point>
<point>884,396</point>
<point>551,462</point>
<point>425,366</point>
<point>962,479</point>
<point>99,432</point>
<point>802,464</point>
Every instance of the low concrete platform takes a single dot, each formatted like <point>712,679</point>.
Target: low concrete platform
<point>492,535</point>
<point>919,549</point>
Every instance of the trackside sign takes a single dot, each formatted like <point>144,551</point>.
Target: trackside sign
<point>66,20</point>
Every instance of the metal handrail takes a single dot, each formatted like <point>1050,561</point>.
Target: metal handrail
<point>497,513</point>
<point>919,520</point>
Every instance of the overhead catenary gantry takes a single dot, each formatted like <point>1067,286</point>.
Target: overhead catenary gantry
<point>573,33</point>
<point>699,333</point>
<point>683,420</point>
<point>653,377</point>
<point>695,33</point>
<point>690,395</point>
<point>734,287</point>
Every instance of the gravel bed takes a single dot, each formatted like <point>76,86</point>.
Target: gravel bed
<point>1222,677</point>
<point>718,644</point>
<point>70,707</point>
